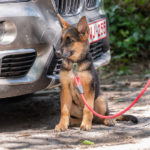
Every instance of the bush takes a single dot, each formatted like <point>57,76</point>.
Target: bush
<point>129,28</point>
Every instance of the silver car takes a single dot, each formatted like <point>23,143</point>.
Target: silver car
<point>29,33</point>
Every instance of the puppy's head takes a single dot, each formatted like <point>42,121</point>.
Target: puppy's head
<point>74,41</point>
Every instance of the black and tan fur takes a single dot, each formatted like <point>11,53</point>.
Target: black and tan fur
<point>74,48</point>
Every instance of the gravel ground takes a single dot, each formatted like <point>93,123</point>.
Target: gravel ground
<point>28,122</point>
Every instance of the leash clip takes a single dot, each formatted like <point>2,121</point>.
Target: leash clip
<point>78,84</point>
<point>77,79</point>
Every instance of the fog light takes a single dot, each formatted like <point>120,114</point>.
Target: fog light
<point>8,32</point>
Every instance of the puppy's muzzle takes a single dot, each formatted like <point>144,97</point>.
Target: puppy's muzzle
<point>63,54</point>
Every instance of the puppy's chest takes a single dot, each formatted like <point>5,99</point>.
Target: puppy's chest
<point>67,77</point>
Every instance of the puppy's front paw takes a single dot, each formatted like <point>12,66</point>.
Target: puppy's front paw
<point>85,126</point>
<point>60,127</point>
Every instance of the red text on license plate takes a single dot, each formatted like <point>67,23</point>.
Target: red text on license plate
<point>98,30</point>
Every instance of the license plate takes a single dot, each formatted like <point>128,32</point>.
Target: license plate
<point>98,30</point>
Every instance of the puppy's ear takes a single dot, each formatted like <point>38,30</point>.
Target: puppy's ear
<point>82,27</point>
<point>63,23</point>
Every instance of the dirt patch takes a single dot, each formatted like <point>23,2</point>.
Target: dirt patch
<point>28,122</point>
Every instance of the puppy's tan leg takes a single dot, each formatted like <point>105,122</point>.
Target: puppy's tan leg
<point>66,100</point>
<point>101,107</point>
<point>89,96</point>
<point>87,114</point>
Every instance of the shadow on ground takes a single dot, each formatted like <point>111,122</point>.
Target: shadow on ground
<point>28,122</point>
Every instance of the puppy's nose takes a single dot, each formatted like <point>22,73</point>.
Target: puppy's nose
<point>58,53</point>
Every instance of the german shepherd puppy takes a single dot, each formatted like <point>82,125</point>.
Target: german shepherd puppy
<point>74,48</point>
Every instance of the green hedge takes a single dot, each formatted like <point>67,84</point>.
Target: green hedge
<point>129,28</point>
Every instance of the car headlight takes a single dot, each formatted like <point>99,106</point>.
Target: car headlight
<point>8,32</point>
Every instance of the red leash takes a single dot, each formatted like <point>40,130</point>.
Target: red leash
<point>80,89</point>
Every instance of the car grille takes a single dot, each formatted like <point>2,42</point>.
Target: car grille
<point>91,3</point>
<point>16,65</point>
<point>68,7</point>
<point>96,50</point>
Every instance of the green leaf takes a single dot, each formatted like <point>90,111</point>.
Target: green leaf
<point>131,8</point>
<point>141,2</point>
<point>136,36</point>
<point>87,142</point>
<point>119,44</point>
<point>147,36</point>
<point>128,1</point>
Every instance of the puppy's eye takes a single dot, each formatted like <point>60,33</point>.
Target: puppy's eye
<point>69,40</point>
